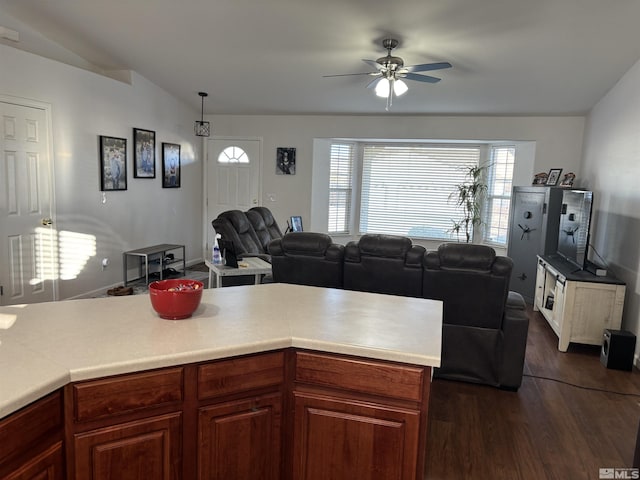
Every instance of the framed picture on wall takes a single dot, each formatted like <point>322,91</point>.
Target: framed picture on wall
<point>554,177</point>
<point>286,161</point>
<point>170,165</point>
<point>144,153</point>
<point>113,163</point>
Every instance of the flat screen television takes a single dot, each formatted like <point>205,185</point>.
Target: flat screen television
<point>573,232</point>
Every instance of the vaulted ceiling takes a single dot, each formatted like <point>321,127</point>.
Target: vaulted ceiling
<point>513,57</point>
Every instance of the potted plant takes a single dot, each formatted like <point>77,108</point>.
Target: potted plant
<point>470,197</point>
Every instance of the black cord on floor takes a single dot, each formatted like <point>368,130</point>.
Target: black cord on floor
<point>582,386</point>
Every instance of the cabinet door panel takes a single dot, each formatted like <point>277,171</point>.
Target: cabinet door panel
<point>348,440</point>
<point>149,449</point>
<point>46,466</point>
<point>240,440</point>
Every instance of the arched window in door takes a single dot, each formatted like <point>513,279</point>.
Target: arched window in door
<point>233,154</point>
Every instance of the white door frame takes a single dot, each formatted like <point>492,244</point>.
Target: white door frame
<point>205,175</point>
<point>46,107</point>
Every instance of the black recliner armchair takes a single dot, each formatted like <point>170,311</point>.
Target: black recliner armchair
<point>307,258</point>
<point>485,326</point>
<point>384,264</point>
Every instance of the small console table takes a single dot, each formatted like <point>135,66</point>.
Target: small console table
<point>154,255</point>
<point>252,266</point>
<point>577,304</point>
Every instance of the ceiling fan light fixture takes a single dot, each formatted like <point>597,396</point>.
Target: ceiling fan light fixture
<point>399,87</point>
<point>202,128</point>
<point>383,88</point>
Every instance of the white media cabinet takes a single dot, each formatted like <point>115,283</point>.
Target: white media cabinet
<point>578,305</point>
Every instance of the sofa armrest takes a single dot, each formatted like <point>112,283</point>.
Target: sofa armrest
<point>515,328</point>
<point>261,256</point>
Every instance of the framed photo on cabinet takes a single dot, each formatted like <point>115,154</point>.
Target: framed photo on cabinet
<point>554,177</point>
<point>144,153</point>
<point>170,165</point>
<point>113,163</point>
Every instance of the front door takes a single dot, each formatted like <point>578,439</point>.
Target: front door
<point>27,242</point>
<point>233,177</point>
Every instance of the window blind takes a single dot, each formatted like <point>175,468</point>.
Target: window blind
<point>498,202</point>
<point>340,187</point>
<point>407,189</point>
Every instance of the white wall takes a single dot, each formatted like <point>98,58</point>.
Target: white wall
<point>558,143</point>
<point>612,168</point>
<point>85,105</point>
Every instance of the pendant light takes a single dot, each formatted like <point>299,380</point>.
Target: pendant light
<point>202,128</point>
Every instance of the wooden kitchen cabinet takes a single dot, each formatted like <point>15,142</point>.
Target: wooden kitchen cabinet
<point>240,418</point>
<point>241,439</point>
<point>126,427</point>
<point>31,441</point>
<point>358,419</point>
<point>215,420</point>
<point>149,448</point>
<point>348,440</point>
<point>287,414</point>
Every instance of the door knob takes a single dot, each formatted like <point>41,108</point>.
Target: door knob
<point>46,222</point>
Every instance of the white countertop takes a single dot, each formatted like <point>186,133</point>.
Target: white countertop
<point>44,346</point>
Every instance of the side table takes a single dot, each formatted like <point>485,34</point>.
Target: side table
<point>146,254</point>
<point>255,266</point>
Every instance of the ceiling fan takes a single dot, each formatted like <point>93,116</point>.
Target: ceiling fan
<point>390,70</point>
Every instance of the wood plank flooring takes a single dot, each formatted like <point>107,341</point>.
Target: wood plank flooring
<point>546,430</point>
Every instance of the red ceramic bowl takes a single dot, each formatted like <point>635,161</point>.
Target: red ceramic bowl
<point>175,299</point>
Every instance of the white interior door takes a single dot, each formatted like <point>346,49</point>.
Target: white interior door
<point>27,242</point>
<point>233,176</point>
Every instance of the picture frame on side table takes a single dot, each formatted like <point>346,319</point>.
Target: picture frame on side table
<point>554,177</point>
<point>113,163</point>
<point>170,165</point>
<point>144,153</point>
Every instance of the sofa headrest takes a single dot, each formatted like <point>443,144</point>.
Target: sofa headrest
<point>466,256</point>
<point>238,219</point>
<point>266,215</point>
<point>257,220</point>
<point>306,243</point>
<point>391,246</point>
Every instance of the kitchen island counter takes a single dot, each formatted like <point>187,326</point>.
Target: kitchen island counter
<point>45,346</point>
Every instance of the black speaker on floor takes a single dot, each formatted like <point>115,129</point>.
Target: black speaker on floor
<point>618,347</point>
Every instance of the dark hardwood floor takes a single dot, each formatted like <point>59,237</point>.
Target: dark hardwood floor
<point>546,430</point>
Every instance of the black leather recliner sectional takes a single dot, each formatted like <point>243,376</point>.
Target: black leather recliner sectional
<point>484,327</point>
<point>306,258</point>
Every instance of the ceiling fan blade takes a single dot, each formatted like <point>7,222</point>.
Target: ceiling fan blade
<point>374,82</point>
<point>420,78</point>
<point>426,67</point>
<point>373,64</point>
<point>350,74</point>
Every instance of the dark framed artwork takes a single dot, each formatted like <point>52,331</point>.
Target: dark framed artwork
<point>170,165</point>
<point>113,163</point>
<point>144,153</point>
<point>554,177</point>
<point>286,161</point>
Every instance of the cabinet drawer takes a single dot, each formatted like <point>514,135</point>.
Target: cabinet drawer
<point>360,375</point>
<point>126,394</point>
<point>240,374</point>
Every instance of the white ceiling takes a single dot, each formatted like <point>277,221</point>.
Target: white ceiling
<point>522,57</point>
